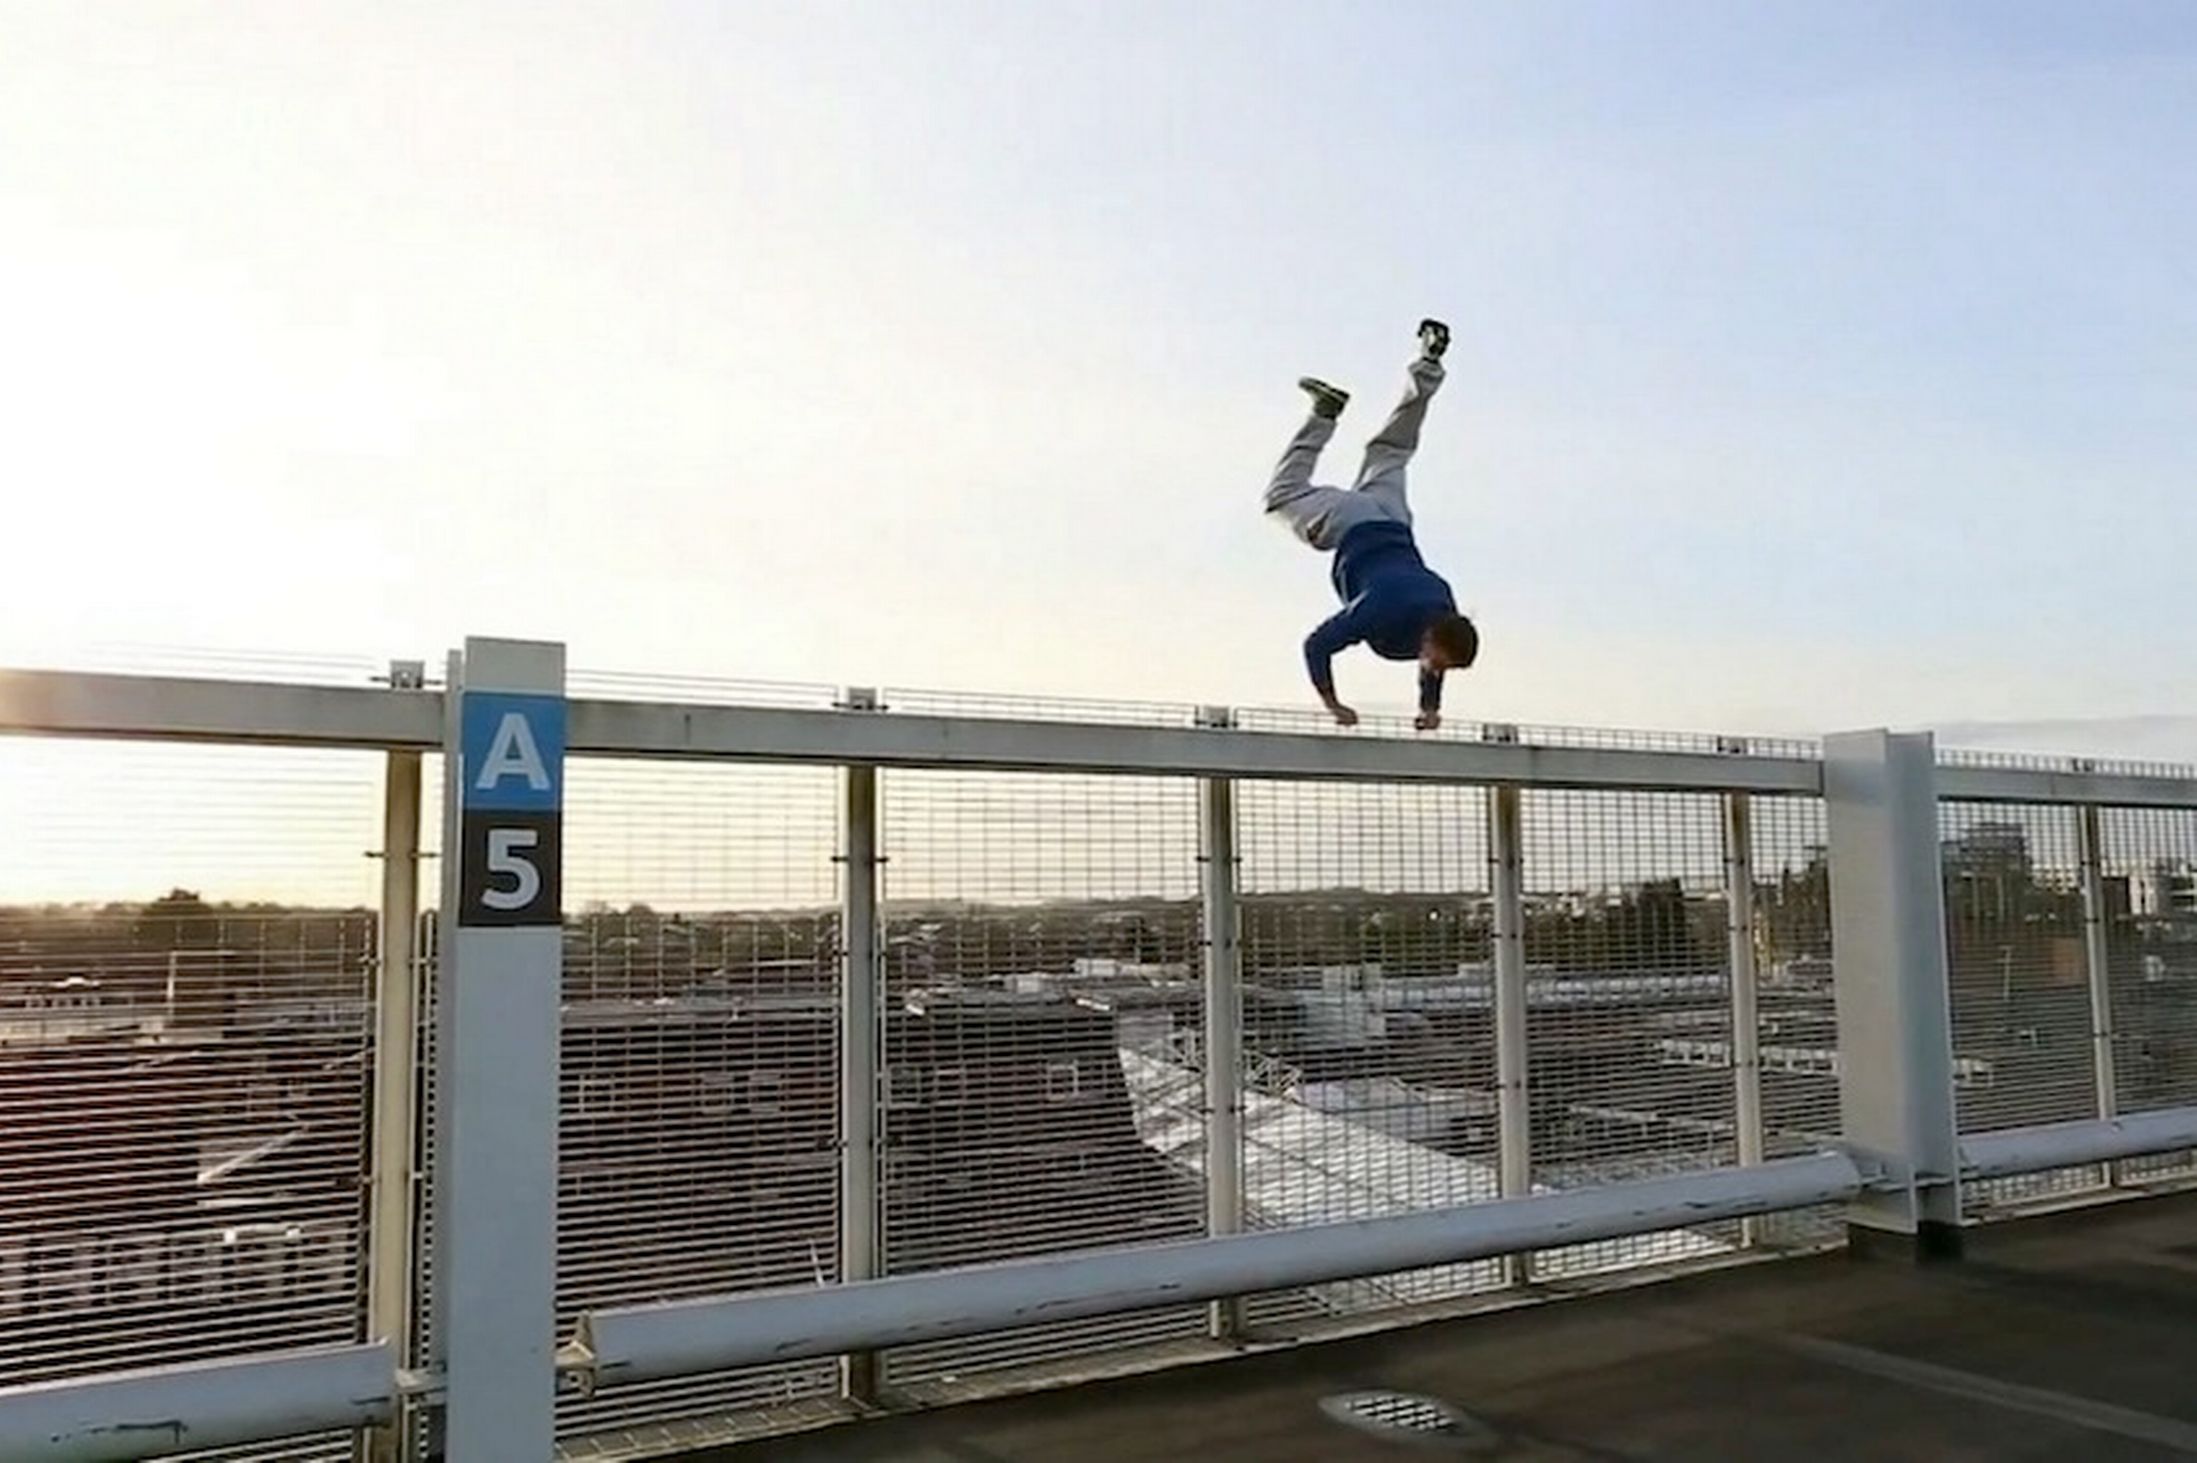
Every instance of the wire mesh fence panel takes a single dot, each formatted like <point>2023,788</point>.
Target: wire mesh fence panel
<point>205,663</point>
<point>699,1127</point>
<point>1368,1030</point>
<point>187,946</point>
<point>915,701</point>
<point>1797,1015</point>
<point>2150,866</point>
<point>2019,981</point>
<point>1042,1004</point>
<point>698,689</point>
<point>1627,983</point>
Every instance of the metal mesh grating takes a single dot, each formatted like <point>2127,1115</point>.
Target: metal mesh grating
<point>214,663</point>
<point>1627,971</point>
<point>1041,992</point>
<point>918,702</point>
<point>1369,1056</point>
<point>2019,981</point>
<point>700,1102</point>
<point>186,1025</point>
<point>698,690</point>
<point>1796,1014</point>
<point>2150,864</point>
<point>2050,762</point>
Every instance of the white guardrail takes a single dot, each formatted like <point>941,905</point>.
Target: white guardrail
<point>150,1413</point>
<point>163,1410</point>
<point>212,1404</point>
<point>636,1343</point>
<point>66,703</point>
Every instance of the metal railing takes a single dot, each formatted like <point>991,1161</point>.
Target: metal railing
<point>962,1033</point>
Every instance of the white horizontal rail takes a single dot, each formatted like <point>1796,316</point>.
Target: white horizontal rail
<point>2068,1145</point>
<point>170,708</point>
<point>2032,785</point>
<point>680,1337</point>
<point>184,709</point>
<point>163,1410</point>
<point>991,744</point>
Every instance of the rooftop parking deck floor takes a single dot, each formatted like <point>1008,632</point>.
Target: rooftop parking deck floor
<point>2068,1337</point>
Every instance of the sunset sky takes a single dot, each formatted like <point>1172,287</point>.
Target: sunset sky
<point>1817,365</point>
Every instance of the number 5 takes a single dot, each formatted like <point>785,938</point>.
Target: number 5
<point>504,857</point>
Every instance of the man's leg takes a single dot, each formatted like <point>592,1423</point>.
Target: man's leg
<point>1319,516</point>
<point>1387,454</point>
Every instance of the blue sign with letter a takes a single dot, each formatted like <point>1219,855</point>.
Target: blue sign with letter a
<point>513,753</point>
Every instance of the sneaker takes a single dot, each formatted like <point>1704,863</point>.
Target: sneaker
<point>1433,339</point>
<point>1327,401</point>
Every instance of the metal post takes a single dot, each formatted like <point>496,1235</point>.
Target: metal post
<point>396,1082</point>
<point>1894,1007</point>
<point>2097,960</point>
<point>498,996</point>
<point>1739,911</point>
<point>861,1021</point>
<point>1514,1112</point>
<point>1223,1036</point>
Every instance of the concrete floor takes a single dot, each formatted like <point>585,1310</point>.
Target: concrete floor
<point>2073,1337</point>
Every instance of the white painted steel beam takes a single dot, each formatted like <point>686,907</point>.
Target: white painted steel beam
<point>1739,920</point>
<point>162,1410</point>
<point>2029,785</point>
<point>2068,1145</point>
<point>172,708</point>
<point>1513,1096</point>
<point>178,709</point>
<point>1223,1028</point>
<point>861,1032</point>
<point>497,1004</point>
<point>677,1338</point>
<point>2098,960</point>
<point>1895,1029</point>
<point>772,734</point>
<point>390,1265</point>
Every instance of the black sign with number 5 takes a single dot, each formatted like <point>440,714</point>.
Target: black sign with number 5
<point>513,869</point>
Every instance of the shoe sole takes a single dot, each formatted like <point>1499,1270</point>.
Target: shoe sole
<point>1320,391</point>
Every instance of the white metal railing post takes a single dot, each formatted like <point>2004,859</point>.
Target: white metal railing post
<point>2098,959</point>
<point>1890,977</point>
<point>394,1178</point>
<point>1513,1095</point>
<point>498,997</point>
<point>1739,912</point>
<point>861,1023</point>
<point>1223,1035</point>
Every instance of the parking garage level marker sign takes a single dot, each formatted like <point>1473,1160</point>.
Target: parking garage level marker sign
<point>512,751</point>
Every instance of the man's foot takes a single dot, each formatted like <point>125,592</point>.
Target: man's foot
<point>1433,339</point>
<point>1327,401</point>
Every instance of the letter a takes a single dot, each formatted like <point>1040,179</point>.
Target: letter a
<point>513,751</point>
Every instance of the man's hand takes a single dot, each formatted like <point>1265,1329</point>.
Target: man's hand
<point>1343,715</point>
<point>1428,720</point>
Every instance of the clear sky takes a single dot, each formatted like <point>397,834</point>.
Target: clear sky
<point>1817,364</point>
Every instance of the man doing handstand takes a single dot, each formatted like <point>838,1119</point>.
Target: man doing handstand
<point>1392,601</point>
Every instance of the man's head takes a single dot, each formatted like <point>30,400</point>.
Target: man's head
<point>1449,644</point>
